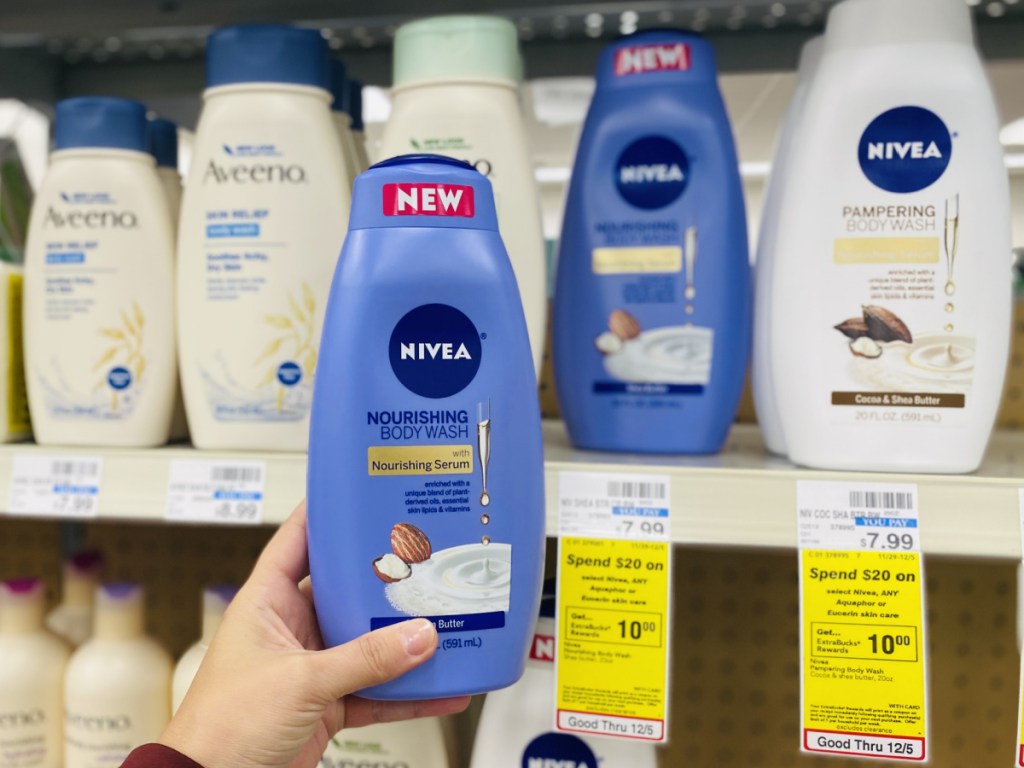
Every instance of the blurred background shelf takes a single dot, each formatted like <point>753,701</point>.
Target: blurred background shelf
<point>741,498</point>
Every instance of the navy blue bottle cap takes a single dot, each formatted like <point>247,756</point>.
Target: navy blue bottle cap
<point>162,142</point>
<point>339,86</point>
<point>657,57</point>
<point>100,122</point>
<point>267,53</point>
<point>431,191</point>
<point>547,599</point>
<point>355,104</point>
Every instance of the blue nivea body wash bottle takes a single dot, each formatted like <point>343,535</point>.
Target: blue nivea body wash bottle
<point>426,475</point>
<point>652,313</point>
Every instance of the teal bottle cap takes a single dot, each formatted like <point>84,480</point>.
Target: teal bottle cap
<point>457,47</point>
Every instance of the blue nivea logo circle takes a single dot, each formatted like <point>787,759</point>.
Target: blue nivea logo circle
<point>564,749</point>
<point>652,172</point>
<point>435,350</point>
<point>906,149</point>
<point>119,378</point>
<point>289,374</point>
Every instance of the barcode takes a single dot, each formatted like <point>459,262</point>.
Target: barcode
<point>630,490</point>
<point>881,500</point>
<point>74,468</point>
<point>238,474</point>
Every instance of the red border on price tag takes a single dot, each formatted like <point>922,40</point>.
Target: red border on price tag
<point>870,736</point>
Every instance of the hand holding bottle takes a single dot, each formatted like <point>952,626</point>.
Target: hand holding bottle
<point>268,696</point>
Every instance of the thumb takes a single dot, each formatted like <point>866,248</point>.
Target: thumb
<point>376,657</point>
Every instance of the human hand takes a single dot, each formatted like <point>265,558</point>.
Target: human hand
<point>268,696</point>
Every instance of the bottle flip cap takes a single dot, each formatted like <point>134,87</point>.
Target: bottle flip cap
<point>217,599</point>
<point>454,47</point>
<point>162,142</point>
<point>423,191</point>
<point>119,596</point>
<point>855,24</point>
<point>354,105</point>
<point>657,58</point>
<point>100,122</point>
<point>339,86</point>
<point>20,591</point>
<point>267,53</point>
<point>85,563</point>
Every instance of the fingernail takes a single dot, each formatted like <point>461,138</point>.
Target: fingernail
<point>420,636</point>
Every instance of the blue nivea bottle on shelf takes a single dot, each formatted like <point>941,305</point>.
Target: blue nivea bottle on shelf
<point>426,474</point>
<point>652,311</point>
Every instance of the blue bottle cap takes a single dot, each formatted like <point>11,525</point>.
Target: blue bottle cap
<point>162,142</point>
<point>339,86</point>
<point>548,599</point>
<point>423,191</point>
<point>355,104</point>
<point>100,122</point>
<point>267,53</point>
<point>657,57</point>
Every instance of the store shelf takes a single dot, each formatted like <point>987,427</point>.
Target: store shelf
<point>743,497</point>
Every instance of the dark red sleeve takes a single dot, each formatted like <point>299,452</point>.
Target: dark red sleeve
<point>158,756</point>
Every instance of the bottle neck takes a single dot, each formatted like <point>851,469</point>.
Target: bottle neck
<point>79,591</point>
<point>211,623</point>
<point>24,617</point>
<point>118,623</point>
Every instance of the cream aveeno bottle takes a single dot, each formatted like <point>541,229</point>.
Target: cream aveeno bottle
<point>415,743</point>
<point>215,604</point>
<point>343,121</point>
<point>72,619</point>
<point>32,663</point>
<point>262,222</point>
<point>515,729</point>
<point>456,93</point>
<point>764,394</point>
<point>890,291</point>
<point>117,690</point>
<point>99,302</point>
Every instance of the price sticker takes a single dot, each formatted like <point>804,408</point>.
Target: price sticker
<point>213,491</point>
<point>864,673</point>
<point>613,622</point>
<point>55,486</point>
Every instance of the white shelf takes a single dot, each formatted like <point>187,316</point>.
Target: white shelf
<point>743,497</point>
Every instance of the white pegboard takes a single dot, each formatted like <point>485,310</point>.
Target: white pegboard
<point>735,672</point>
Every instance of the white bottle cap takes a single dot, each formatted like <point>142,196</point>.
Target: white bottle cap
<point>119,611</point>
<point>810,57</point>
<point>856,24</point>
<point>22,603</point>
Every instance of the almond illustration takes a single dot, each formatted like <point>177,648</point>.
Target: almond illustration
<point>853,328</point>
<point>883,325</point>
<point>623,325</point>
<point>410,543</point>
<point>391,568</point>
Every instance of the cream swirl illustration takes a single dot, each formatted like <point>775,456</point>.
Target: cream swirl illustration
<point>679,354</point>
<point>472,578</point>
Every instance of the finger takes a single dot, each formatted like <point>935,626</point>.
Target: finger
<point>286,553</point>
<point>374,658</point>
<point>360,712</point>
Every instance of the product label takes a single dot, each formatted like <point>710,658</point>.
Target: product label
<point>863,645</point>
<point>55,486</point>
<point>428,200</point>
<point>216,491</point>
<point>904,342</point>
<point>17,395</point>
<point>111,350</point>
<point>103,739</point>
<point>442,457</point>
<point>269,226</point>
<point>613,598</point>
<point>29,738</point>
<point>638,59</point>
<point>653,349</point>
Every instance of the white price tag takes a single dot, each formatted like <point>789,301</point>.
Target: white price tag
<point>216,491</point>
<point>879,517</point>
<point>614,505</point>
<point>55,486</point>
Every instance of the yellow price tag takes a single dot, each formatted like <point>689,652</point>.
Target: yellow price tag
<point>612,660</point>
<point>864,676</point>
